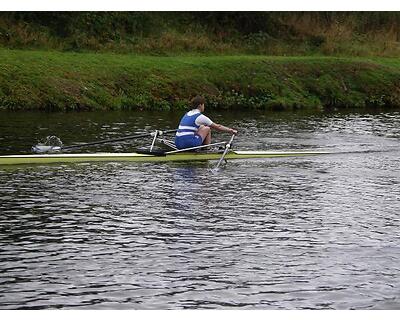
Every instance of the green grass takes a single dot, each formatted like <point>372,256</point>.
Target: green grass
<point>45,80</point>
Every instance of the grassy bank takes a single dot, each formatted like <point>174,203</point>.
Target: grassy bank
<point>43,80</point>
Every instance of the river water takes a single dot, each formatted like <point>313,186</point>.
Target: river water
<point>291,233</point>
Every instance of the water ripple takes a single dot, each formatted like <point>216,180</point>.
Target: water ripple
<point>305,233</point>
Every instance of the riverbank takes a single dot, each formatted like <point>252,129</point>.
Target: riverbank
<point>53,81</point>
<point>205,33</point>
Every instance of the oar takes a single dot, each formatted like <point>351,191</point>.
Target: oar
<point>43,148</point>
<point>227,147</point>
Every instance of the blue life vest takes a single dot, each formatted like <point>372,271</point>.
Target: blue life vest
<point>188,125</point>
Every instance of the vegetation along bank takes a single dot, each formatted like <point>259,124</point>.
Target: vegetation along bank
<point>53,80</point>
<point>158,60</point>
<point>210,33</point>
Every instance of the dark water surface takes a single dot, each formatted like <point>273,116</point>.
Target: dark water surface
<point>317,232</point>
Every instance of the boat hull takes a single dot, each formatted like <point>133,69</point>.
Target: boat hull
<point>137,157</point>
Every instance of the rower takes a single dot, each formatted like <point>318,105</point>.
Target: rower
<point>195,128</point>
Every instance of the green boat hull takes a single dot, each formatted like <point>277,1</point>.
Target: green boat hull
<point>137,157</point>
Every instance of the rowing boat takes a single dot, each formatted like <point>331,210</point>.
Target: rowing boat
<point>51,152</point>
<point>138,157</point>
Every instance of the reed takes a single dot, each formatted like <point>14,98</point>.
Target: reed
<point>222,33</point>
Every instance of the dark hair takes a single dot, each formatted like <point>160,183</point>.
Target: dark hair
<point>196,101</point>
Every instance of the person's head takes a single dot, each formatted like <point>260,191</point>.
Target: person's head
<point>198,103</point>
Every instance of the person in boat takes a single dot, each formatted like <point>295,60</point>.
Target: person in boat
<point>195,128</point>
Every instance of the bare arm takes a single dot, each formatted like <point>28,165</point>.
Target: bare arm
<point>222,128</point>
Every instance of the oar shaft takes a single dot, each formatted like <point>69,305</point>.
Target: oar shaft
<point>228,146</point>
<point>137,136</point>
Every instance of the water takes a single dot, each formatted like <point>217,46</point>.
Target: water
<point>300,233</point>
